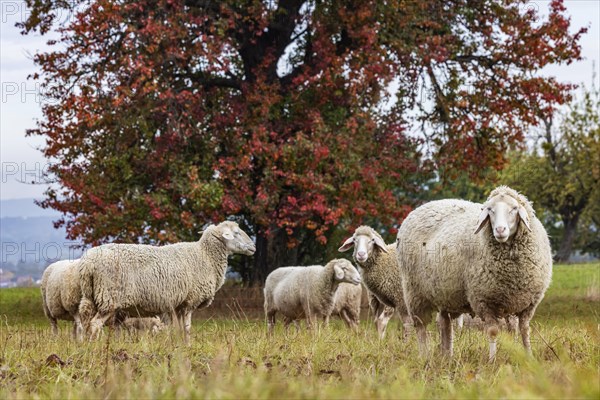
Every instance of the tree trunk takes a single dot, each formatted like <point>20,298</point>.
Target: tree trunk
<point>566,244</point>
<point>261,268</point>
<point>271,253</point>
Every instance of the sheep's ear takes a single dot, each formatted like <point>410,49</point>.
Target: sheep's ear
<point>381,244</point>
<point>227,234</point>
<point>339,272</point>
<point>524,217</point>
<point>484,217</point>
<point>347,244</point>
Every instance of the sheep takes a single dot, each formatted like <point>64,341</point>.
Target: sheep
<point>347,303</point>
<point>153,324</point>
<point>61,294</point>
<point>510,323</point>
<point>305,292</point>
<point>492,260</point>
<point>379,270</point>
<point>144,280</point>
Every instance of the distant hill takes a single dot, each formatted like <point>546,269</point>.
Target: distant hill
<point>29,241</point>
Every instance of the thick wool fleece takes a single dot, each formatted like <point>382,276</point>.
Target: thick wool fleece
<point>143,280</point>
<point>380,273</point>
<point>60,290</point>
<point>446,267</point>
<point>347,303</point>
<point>303,292</point>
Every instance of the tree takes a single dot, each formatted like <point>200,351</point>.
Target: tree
<point>290,116</point>
<point>561,174</point>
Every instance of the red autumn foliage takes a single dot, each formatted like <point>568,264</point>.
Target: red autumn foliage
<point>292,116</point>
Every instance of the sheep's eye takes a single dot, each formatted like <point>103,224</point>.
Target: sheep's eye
<point>490,210</point>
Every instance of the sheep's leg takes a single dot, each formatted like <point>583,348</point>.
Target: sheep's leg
<point>175,319</point>
<point>271,322</point>
<point>345,318</point>
<point>446,333</point>
<point>354,318</point>
<point>74,330</point>
<point>408,326</point>
<point>77,328</point>
<point>286,323</point>
<point>382,321</point>
<point>97,323</point>
<point>512,324</point>
<point>460,321</point>
<point>119,323</point>
<point>54,325</point>
<point>187,325</point>
<point>350,319</point>
<point>524,318</point>
<point>492,329</point>
<point>420,323</point>
<point>311,321</point>
<point>310,317</point>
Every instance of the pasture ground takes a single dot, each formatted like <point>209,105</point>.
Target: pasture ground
<point>231,357</point>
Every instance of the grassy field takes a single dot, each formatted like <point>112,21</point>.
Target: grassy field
<point>232,358</point>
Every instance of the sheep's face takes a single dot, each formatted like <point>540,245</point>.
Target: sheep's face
<point>345,272</point>
<point>364,243</point>
<point>236,240</point>
<point>504,214</point>
<point>157,325</point>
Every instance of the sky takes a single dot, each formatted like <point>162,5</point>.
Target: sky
<point>20,103</point>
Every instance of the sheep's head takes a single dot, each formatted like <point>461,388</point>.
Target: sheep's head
<point>364,240</point>
<point>504,212</point>
<point>157,325</point>
<point>235,239</point>
<point>344,271</point>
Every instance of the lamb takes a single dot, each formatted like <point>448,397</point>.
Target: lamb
<point>504,267</point>
<point>381,275</point>
<point>143,280</point>
<point>61,295</point>
<point>510,323</point>
<point>347,302</point>
<point>305,292</point>
<point>153,324</point>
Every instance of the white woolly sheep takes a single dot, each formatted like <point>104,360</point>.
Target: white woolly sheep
<point>305,292</point>
<point>380,273</point>
<point>347,303</point>
<point>61,294</point>
<point>144,280</point>
<point>503,267</point>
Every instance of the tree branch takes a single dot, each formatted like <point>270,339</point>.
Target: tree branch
<point>483,60</point>
<point>439,94</point>
<point>276,37</point>
<point>209,5</point>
